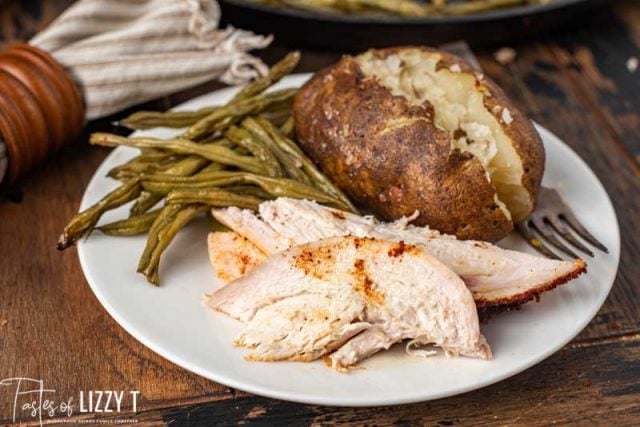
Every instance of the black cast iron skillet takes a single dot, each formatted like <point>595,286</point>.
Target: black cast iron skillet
<point>302,28</point>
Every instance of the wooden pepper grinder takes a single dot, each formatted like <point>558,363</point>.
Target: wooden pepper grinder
<point>40,107</point>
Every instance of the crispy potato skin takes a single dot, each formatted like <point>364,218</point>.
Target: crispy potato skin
<point>341,121</point>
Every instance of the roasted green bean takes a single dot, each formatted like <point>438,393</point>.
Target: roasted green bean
<point>213,197</point>
<point>318,179</point>
<point>84,222</point>
<point>179,215</point>
<point>251,190</point>
<point>147,200</point>
<point>184,167</point>
<point>181,119</point>
<point>235,111</point>
<point>277,117</point>
<point>277,187</point>
<point>238,154</point>
<point>131,226</point>
<point>290,164</point>
<point>288,127</point>
<point>166,216</point>
<point>244,139</point>
<point>141,164</point>
<point>212,152</point>
<point>144,202</point>
<point>214,224</point>
<point>277,71</point>
<point>170,119</point>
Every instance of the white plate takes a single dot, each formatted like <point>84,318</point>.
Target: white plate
<point>173,321</point>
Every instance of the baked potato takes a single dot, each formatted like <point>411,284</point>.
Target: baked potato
<point>411,129</point>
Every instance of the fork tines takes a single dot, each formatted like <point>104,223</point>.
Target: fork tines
<point>554,222</point>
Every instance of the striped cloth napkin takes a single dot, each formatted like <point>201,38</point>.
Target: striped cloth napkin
<point>124,52</point>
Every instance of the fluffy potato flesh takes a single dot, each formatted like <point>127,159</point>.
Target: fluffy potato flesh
<point>459,108</point>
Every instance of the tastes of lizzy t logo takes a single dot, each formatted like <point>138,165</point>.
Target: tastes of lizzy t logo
<point>31,400</point>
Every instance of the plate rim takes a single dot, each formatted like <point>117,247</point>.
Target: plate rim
<point>329,401</point>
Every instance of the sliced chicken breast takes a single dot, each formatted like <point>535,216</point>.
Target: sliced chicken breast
<point>232,255</point>
<point>354,295</point>
<point>498,278</point>
<point>247,224</point>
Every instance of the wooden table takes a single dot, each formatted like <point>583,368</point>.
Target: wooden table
<point>575,83</point>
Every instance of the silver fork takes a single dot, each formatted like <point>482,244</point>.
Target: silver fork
<point>551,217</point>
<point>553,220</point>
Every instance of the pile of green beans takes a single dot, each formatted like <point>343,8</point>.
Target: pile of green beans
<point>238,154</point>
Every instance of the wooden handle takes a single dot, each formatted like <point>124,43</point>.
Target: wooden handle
<point>40,107</point>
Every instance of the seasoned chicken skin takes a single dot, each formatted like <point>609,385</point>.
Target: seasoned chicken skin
<point>354,295</point>
<point>498,278</point>
<point>232,255</point>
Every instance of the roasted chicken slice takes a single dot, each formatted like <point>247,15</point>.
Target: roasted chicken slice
<point>354,295</point>
<point>232,255</point>
<point>498,278</point>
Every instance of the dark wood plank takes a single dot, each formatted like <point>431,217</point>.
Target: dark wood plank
<point>598,68</point>
<point>575,386</point>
